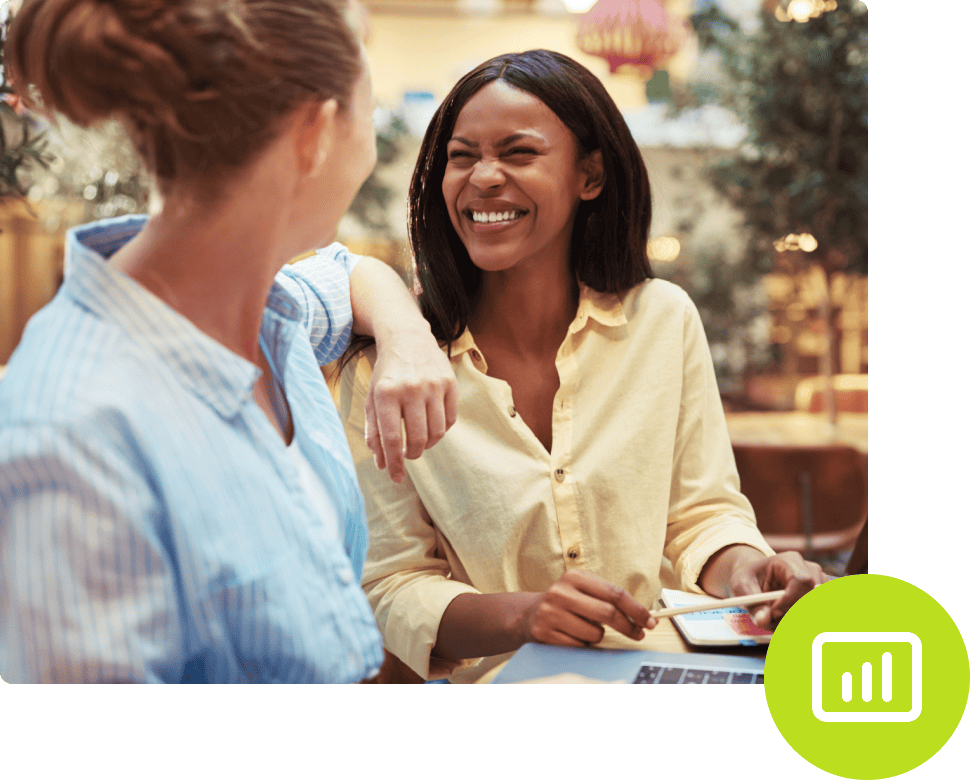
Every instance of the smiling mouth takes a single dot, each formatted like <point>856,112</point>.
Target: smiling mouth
<point>495,217</point>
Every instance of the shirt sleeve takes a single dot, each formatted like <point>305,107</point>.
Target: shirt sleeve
<point>707,509</point>
<point>87,589</point>
<point>408,585</point>
<point>321,285</point>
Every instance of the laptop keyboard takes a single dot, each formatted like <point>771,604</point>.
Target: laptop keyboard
<point>661,675</point>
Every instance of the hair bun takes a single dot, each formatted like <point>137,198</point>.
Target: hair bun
<point>201,84</point>
<point>77,53</point>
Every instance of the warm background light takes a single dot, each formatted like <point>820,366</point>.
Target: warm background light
<point>579,6</point>
<point>663,249</point>
<point>805,242</point>
<point>803,10</point>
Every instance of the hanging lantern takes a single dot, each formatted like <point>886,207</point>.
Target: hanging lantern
<point>633,36</point>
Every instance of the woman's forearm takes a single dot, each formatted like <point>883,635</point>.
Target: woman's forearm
<point>413,382</point>
<point>480,624</point>
<point>381,302</point>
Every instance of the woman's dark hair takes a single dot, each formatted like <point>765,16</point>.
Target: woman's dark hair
<point>609,240</point>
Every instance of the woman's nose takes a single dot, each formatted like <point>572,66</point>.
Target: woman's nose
<point>487,174</point>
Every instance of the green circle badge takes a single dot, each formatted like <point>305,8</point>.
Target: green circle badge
<point>867,677</point>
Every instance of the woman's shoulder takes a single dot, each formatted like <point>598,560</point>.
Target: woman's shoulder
<point>656,296</point>
<point>70,369</point>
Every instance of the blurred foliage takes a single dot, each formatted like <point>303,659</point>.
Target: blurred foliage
<point>370,206</point>
<point>22,143</point>
<point>802,89</point>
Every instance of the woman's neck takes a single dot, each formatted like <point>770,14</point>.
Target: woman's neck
<point>529,310</point>
<point>213,265</point>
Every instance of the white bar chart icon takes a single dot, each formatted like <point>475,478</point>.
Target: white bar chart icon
<point>886,693</point>
<point>862,695</point>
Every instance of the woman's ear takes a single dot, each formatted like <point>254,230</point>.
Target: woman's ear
<point>315,133</point>
<point>592,167</point>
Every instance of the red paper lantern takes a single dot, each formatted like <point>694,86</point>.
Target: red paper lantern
<point>633,36</point>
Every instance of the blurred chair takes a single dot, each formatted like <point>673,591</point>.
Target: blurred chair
<point>813,499</point>
<point>851,393</point>
<point>859,561</point>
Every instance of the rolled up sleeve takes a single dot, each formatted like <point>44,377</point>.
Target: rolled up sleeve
<point>408,585</point>
<point>321,286</point>
<point>87,588</point>
<point>707,509</point>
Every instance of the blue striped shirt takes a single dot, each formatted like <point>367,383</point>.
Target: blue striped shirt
<point>152,525</point>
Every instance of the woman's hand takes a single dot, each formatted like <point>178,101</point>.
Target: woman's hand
<point>413,383</point>
<point>739,570</point>
<point>788,570</point>
<point>575,609</point>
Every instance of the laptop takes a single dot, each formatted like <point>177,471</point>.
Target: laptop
<point>639,667</point>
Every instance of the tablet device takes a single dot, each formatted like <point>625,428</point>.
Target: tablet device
<point>725,626</point>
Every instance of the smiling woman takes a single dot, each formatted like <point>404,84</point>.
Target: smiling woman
<point>571,105</point>
<point>512,197</point>
<point>591,441</point>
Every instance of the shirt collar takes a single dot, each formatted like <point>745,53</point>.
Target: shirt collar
<point>217,375</point>
<point>606,308</point>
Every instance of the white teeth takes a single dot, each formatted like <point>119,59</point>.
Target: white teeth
<point>495,216</point>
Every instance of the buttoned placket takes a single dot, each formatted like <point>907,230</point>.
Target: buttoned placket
<point>276,345</point>
<point>564,491</point>
<point>563,487</point>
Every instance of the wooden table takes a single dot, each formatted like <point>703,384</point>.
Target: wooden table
<point>805,428</point>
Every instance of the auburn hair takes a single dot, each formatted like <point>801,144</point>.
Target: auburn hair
<point>201,85</point>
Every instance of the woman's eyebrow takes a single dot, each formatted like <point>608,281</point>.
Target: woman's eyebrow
<point>509,139</point>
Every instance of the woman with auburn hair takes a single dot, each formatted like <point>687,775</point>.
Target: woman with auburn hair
<point>177,499</point>
<point>591,441</point>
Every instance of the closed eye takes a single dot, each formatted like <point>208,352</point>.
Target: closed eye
<point>456,154</point>
<point>520,150</point>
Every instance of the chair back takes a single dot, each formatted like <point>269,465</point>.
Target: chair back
<point>813,499</point>
<point>859,560</point>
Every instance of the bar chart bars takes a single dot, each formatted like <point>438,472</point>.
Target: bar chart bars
<point>886,678</point>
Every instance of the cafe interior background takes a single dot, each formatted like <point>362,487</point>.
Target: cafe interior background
<point>752,117</point>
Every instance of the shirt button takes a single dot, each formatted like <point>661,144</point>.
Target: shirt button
<point>476,355</point>
<point>345,576</point>
<point>512,411</point>
<point>560,475</point>
<point>573,553</point>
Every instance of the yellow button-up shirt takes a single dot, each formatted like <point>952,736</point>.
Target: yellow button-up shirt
<point>641,467</point>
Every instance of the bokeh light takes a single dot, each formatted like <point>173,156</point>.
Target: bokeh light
<point>664,249</point>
